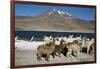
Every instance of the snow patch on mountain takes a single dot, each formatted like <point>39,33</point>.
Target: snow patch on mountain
<point>62,12</point>
<point>68,14</point>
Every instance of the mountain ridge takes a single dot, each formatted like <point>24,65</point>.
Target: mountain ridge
<point>53,20</point>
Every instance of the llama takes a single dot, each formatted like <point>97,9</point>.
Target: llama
<point>46,49</point>
<point>73,48</point>
<point>59,48</point>
<point>86,45</point>
<point>89,44</point>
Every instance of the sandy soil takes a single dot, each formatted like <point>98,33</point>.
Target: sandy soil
<point>28,57</point>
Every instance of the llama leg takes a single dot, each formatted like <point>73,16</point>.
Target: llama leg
<point>74,53</point>
<point>56,53</point>
<point>59,54</point>
<point>87,50</point>
<point>65,52</point>
<point>38,56</point>
<point>91,50</point>
<point>47,58</point>
<point>78,54</point>
<point>69,53</point>
<point>53,55</point>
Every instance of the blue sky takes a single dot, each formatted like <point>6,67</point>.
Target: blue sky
<point>34,10</point>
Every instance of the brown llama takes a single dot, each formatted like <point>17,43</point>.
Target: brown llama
<point>75,48</point>
<point>46,50</point>
<point>58,48</point>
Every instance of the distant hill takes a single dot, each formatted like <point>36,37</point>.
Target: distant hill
<point>53,20</point>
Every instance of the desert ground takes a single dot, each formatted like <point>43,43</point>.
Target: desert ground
<point>25,54</point>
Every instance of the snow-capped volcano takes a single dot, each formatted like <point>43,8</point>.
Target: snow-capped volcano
<point>54,20</point>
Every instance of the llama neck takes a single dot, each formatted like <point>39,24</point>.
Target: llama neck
<point>53,42</point>
<point>61,42</point>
